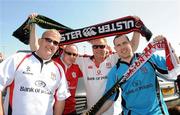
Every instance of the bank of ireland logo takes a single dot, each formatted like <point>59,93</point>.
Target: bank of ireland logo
<point>98,72</point>
<point>136,83</point>
<point>40,83</point>
<point>87,32</point>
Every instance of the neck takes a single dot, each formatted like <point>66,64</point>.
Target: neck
<point>98,60</point>
<point>40,55</point>
<point>64,61</point>
<point>127,59</point>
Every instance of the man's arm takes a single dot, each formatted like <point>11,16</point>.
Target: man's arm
<point>105,107</point>
<point>1,104</point>
<point>177,59</point>
<point>33,41</point>
<point>59,107</point>
<point>161,37</point>
<point>135,41</point>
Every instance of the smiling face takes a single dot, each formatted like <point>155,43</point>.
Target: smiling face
<point>123,47</point>
<point>70,54</point>
<point>99,47</point>
<point>48,44</point>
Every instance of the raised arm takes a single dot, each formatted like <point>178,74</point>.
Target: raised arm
<point>135,41</point>
<point>135,38</point>
<point>33,41</point>
<point>161,37</point>
<point>105,107</point>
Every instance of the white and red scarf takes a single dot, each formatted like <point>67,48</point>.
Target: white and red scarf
<point>171,62</point>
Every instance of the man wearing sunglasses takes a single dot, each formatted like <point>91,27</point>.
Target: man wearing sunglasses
<point>66,60</point>
<point>34,81</point>
<point>96,68</point>
<point>72,72</point>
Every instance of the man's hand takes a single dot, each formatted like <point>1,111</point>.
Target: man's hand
<point>158,38</point>
<point>32,17</point>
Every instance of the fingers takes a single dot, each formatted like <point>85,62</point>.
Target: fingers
<point>136,17</point>
<point>33,15</point>
<point>32,19</point>
<point>158,38</point>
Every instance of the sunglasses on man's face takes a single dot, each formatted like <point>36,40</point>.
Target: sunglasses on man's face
<point>49,40</point>
<point>98,46</point>
<point>71,54</point>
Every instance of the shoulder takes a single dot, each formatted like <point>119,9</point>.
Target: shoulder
<point>157,57</point>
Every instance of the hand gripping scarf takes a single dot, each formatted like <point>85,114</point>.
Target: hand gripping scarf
<point>118,26</point>
<point>172,66</point>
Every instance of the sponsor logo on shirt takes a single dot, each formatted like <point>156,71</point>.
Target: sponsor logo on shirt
<point>90,67</point>
<point>97,78</point>
<point>136,83</point>
<point>139,88</point>
<point>98,72</point>
<point>40,83</point>
<point>36,90</point>
<point>28,71</point>
<point>108,65</point>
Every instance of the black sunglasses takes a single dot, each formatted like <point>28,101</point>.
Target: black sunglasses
<point>73,54</point>
<point>49,40</point>
<point>98,46</point>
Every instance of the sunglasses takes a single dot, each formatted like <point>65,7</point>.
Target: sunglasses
<point>49,40</point>
<point>98,46</point>
<point>71,54</point>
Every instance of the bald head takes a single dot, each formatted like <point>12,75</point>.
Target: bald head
<point>52,32</point>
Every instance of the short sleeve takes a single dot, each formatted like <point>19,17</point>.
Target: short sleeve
<point>62,92</point>
<point>7,71</point>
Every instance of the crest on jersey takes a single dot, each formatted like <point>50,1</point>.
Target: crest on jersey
<point>53,76</point>
<point>74,75</point>
<point>144,69</point>
<point>108,65</point>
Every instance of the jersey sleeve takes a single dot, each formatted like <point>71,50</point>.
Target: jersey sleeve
<point>114,58</point>
<point>7,71</point>
<point>160,65</point>
<point>79,72</point>
<point>62,92</point>
<point>79,61</point>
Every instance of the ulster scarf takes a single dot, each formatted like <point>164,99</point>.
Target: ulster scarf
<point>172,65</point>
<point>119,26</point>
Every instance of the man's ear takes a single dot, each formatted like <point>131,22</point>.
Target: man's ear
<point>40,41</point>
<point>115,48</point>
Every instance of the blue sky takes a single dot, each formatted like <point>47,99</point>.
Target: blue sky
<point>160,16</point>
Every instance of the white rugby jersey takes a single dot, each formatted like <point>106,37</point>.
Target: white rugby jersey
<point>95,79</point>
<point>36,84</point>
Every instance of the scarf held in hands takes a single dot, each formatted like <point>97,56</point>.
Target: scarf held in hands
<point>171,62</point>
<point>118,26</point>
